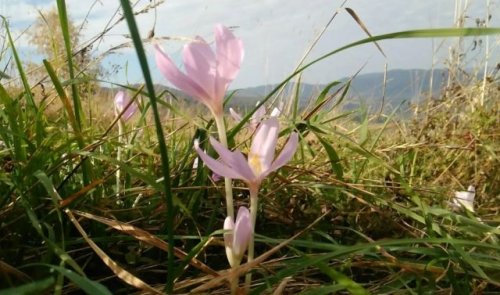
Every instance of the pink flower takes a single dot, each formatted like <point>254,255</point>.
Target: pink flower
<point>237,236</point>
<point>208,74</point>
<point>261,161</point>
<point>256,118</point>
<point>121,101</point>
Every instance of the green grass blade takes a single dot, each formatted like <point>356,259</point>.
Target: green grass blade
<point>333,157</point>
<point>12,111</point>
<point>342,280</point>
<point>136,38</point>
<point>51,190</point>
<point>62,95</point>
<point>33,288</point>
<point>88,286</point>
<point>19,65</point>
<point>77,105</point>
<point>63,19</point>
<point>428,33</point>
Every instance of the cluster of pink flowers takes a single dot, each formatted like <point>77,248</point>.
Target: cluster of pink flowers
<point>207,76</point>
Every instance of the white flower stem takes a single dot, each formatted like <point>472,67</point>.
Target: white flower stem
<point>221,129</point>
<point>121,126</point>
<point>254,191</point>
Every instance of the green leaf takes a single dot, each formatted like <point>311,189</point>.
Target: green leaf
<point>33,288</point>
<point>141,55</point>
<point>342,280</point>
<point>332,156</point>
<point>87,285</point>
<point>4,75</point>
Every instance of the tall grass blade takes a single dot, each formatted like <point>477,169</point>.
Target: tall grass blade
<point>63,19</point>
<point>19,65</point>
<point>88,286</point>
<point>136,38</point>
<point>15,133</point>
<point>426,33</point>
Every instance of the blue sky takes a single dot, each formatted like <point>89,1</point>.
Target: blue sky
<point>275,33</point>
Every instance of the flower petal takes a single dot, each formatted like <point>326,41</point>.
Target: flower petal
<point>216,166</point>
<point>229,52</point>
<point>286,154</point>
<point>228,239</point>
<point>236,117</point>
<point>243,231</point>
<point>228,236</point>
<point>201,66</point>
<point>121,101</point>
<point>263,145</point>
<point>257,116</point>
<point>235,160</point>
<point>178,78</point>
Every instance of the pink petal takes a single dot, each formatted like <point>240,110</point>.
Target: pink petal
<point>235,160</point>
<point>229,55</point>
<point>229,51</point>
<point>236,117</point>
<point>216,166</point>
<point>228,236</point>
<point>201,66</point>
<point>242,232</point>
<point>178,78</point>
<point>286,154</point>
<point>216,177</point>
<point>264,142</point>
<point>228,239</point>
<point>121,101</point>
<point>257,116</point>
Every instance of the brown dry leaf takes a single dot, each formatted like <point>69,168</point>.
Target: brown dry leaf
<point>81,192</point>
<point>363,27</point>
<point>7,269</point>
<point>281,287</point>
<point>147,238</point>
<point>244,268</point>
<point>123,274</point>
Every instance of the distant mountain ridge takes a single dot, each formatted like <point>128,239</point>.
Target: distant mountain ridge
<point>401,85</point>
<point>366,89</point>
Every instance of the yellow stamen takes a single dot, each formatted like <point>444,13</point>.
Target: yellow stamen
<point>255,163</point>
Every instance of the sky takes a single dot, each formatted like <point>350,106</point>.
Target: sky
<point>275,33</point>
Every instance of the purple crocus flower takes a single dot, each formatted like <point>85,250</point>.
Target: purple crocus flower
<point>261,161</point>
<point>237,236</point>
<point>208,73</point>
<point>121,101</point>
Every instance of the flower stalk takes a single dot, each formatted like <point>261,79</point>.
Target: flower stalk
<point>228,186</point>
<point>121,127</point>
<point>125,109</point>
<point>254,206</point>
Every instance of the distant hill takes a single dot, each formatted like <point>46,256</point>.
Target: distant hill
<point>401,85</point>
<point>366,89</point>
